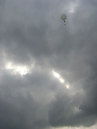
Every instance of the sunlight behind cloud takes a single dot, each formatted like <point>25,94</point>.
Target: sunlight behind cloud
<point>61,80</point>
<point>20,69</point>
<point>58,76</point>
<point>67,86</point>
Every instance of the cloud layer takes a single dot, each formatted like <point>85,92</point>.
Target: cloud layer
<point>33,35</point>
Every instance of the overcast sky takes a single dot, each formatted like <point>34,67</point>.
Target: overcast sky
<point>48,70</point>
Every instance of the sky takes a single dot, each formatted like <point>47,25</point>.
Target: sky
<point>48,69</point>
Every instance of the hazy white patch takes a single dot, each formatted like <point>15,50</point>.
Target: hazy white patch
<point>72,7</point>
<point>71,10</point>
<point>60,78</point>
<point>57,75</point>
<point>91,127</point>
<point>67,85</point>
<point>17,69</point>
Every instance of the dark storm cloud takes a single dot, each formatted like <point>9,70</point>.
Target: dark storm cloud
<point>81,63</point>
<point>31,30</point>
<point>64,111</point>
<point>23,103</point>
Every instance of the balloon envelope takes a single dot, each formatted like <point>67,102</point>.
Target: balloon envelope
<point>63,17</point>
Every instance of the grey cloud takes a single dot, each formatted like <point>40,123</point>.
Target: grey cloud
<point>24,28</point>
<point>22,103</point>
<point>65,111</point>
<point>32,30</point>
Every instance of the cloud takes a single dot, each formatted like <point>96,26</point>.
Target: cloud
<point>22,102</point>
<point>33,35</point>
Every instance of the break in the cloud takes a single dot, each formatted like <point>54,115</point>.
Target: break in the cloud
<point>48,75</point>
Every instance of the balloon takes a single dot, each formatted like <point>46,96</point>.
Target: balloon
<point>64,17</point>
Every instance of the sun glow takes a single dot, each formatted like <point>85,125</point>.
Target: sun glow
<point>17,69</point>
<point>58,76</point>
<point>67,86</point>
<point>61,80</point>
